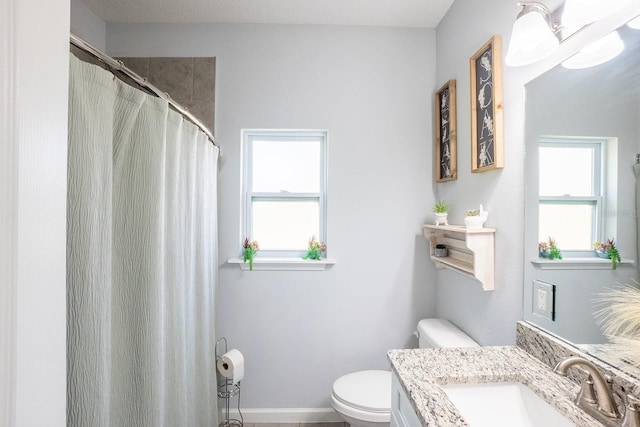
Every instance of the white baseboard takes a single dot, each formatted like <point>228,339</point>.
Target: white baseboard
<point>287,415</point>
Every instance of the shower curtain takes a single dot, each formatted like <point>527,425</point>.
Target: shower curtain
<point>142,255</point>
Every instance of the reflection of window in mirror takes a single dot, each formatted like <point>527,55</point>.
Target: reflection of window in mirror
<point>575,178</point>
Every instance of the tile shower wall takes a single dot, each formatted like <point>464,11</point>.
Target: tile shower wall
<point>189,81</point>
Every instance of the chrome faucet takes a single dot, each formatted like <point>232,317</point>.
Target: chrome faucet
<point>596,397</point>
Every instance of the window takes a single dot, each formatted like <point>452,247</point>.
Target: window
<point>284,188</point>
<point>572,190</point>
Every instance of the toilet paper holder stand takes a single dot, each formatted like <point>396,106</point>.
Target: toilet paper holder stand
<point>227,390</point>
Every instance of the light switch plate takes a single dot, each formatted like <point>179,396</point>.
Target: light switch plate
<point>544,299</point>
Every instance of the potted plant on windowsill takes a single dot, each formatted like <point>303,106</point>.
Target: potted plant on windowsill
<point>315,249</point>
<point>441,209</point>
<point>549,249</point>
<point>249,249</point>
<point>608,250</point>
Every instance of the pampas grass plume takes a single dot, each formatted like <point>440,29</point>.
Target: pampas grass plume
<point>619,318</point>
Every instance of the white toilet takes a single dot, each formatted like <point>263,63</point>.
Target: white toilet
<point>363,399</point>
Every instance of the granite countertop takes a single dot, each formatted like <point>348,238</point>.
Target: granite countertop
<point>422,371</point>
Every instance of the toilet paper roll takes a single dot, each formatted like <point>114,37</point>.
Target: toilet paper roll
<point>231,365</point>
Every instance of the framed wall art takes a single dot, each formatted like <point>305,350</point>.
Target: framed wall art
<point>487,151</point>
<point>446,167</point>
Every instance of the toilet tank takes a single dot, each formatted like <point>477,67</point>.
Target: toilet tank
<point>440,333</point>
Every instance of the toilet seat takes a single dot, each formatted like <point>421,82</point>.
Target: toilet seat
<point>365,395</point>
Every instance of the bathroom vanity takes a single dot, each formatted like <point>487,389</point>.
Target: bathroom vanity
<point>402,413</point>
<point>421,376</point>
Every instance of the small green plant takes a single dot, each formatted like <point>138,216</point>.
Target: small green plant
<point>615,257</point>
<point>315,249</point>
<point>549,249</point>
<point>472,213</point>
<point>441,206</point>
<point>249,249</point>
<point>609,248</point>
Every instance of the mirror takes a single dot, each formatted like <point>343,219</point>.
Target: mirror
<point>603,102</point>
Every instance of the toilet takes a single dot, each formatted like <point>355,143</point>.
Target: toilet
<point>363,398</point>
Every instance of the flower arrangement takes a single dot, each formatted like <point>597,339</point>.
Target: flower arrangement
<point>249,249</point>
<point>315,249</point>
<point>549,249</point>
<point>608,250</point>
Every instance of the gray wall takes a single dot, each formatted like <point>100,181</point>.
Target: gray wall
<point>87,25</point>
<point>371,89</point>
<point>489,317</point>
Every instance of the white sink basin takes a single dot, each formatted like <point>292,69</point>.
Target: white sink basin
<point>508,404</point>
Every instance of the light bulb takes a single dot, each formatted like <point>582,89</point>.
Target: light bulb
<point>634,23</point>
<point>531,40</point>
<point>597,52</point>
<point>578,13</point>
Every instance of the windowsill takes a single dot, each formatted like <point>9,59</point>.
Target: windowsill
<point>584,263</point>
<point>284,264</point>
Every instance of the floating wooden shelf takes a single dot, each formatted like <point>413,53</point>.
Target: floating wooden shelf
<point>470,251</point>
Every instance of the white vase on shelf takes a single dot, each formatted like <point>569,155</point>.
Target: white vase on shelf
<point>476,221</point>
<point>441,218</point>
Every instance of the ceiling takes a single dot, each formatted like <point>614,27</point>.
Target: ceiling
<point>388,13</point>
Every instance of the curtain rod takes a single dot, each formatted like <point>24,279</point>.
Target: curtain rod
<point>142,81</point>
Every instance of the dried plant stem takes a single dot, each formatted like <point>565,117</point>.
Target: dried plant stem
<point>619,318</point>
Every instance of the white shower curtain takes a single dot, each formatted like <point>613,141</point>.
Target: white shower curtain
<point>142,256</point>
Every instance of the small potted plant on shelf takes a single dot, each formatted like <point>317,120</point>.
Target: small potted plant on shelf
<point>608,250</point>
<point>249,249</point>
<point>475,218</point>
<point>315,249</point>
<point>549,249</point>
<point>441,209</point>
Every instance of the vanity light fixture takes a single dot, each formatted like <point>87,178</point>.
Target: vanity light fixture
<point>634,23</point>
<point>533,35</point>
<point>578,13</point>
<point>597,52</point>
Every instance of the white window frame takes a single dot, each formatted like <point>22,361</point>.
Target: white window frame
<point>250,135</point>
<point>604,171</point>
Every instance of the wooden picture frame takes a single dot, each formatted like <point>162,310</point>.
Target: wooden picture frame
<point>487,150</point>
<point>446,142</point>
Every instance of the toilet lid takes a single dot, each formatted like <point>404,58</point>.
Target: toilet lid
<point>367,390</point>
